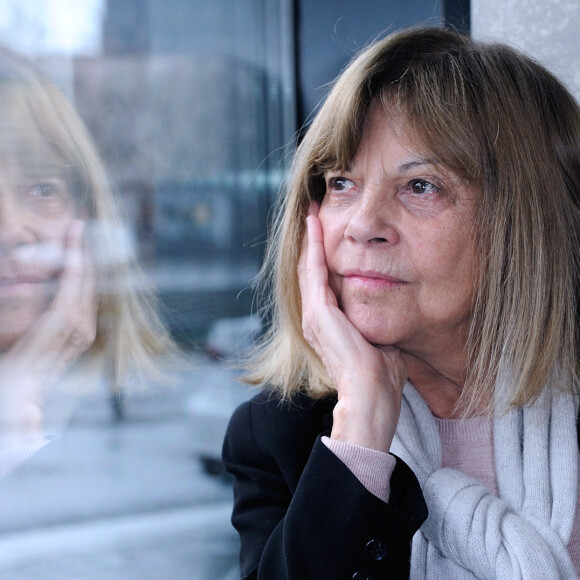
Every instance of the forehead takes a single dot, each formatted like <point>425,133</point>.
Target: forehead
<point>29,121</point>
<point>17,170</point>
<point>388,134</point>
<point>26,149</point>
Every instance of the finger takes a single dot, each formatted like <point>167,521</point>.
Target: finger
<point>313,208</point>
<point>88,298</point>
<point>316,269</point>
<point>302,275</point>
<point>84,324</point>
<point>81,292</point>
<point>70,322</point>
<point>71,279</point>
<point>320,315</point>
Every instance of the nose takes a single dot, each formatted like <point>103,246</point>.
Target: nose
<point>15,228</point>
<point>373,220</point>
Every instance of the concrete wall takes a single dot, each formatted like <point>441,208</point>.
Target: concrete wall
<point>545,29</point>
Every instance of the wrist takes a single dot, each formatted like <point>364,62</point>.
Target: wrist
<point>372,427</point>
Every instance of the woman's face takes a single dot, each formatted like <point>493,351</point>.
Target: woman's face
<point>36,213</point>
<point>399,242</point>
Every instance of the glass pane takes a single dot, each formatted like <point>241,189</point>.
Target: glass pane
<point>191,106</point>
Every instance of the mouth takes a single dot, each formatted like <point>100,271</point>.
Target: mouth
<point>372,280</point>
<point>15,286</point>
<point>20,279</point>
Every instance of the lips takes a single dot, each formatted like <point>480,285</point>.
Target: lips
<point>20,287</point>
<point>24,279</point>
<point>370,279</point>
<point>13,272</point>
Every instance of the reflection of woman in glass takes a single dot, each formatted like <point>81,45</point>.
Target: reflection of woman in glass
<point>70,294</point>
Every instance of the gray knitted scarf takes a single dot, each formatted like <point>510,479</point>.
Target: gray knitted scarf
<point>470,533</point>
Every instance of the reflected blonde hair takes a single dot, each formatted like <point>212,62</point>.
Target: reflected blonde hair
<point>498,119</point>
<point>38,128</point>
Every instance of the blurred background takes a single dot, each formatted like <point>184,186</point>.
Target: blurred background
<point>195,107</point>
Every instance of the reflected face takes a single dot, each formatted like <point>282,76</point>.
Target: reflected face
<point>36,213</point>
<point>399,242</point>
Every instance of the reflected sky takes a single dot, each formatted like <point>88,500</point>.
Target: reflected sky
<point>52,26</point>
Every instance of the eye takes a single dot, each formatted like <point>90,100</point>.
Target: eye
<point>47,192</point>
<point>45,196</point>
<point>422,187</point>
<point>339,184</point>
<point>44,191</point>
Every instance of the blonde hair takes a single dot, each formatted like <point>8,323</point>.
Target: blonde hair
<point>38,126</point>
<point>492,116</point>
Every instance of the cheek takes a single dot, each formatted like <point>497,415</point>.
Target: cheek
<point>46,256</point>
<point>19,315</point>
<point>333,233</point>
<point>447,251</point>
<point>55,228</point>
<point>447,276</point>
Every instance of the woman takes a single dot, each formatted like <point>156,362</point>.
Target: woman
<point>72,305</point>
<point>422,362</point>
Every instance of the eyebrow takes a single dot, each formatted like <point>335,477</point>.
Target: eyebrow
<point>404,167</point>
<point>45,172</point>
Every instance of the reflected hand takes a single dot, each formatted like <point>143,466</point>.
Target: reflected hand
<point>369,379</point>
<point>59,337</point>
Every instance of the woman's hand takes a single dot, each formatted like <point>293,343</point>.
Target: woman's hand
<point>369,379</point>
<point>58,338</point>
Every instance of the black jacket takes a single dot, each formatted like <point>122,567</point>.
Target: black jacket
<point>300,512</point>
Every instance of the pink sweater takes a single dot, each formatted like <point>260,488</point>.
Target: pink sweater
<point>466,445</point>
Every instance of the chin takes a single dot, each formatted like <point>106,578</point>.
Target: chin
<point>7,342</point>
<point>379,338</point>
<point>10,337</point>
<point>375,328</point>
<point>14,325</point>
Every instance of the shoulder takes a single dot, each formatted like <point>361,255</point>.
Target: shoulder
<point>271,417</point>
<point>273,427</point>
<point>268,410</point>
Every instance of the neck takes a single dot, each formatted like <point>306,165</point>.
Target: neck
<point>440,386</point>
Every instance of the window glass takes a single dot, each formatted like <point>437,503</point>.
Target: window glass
<point>191,106</point>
